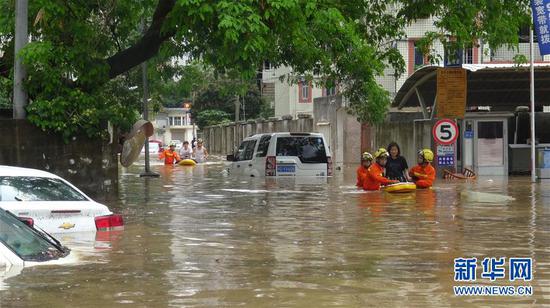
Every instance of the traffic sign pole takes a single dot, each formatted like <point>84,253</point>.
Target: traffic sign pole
<point>445,133</point>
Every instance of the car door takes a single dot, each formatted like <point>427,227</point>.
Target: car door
<point>247,158</point>
<point>301,154</point>
<point>258,161</point>
<point>236,164</point>
<point>239,165</point>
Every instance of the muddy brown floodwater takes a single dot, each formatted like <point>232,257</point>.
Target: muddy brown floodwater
<point>196,237</point>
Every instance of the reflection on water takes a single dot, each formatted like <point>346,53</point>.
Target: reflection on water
<point>197,237</point>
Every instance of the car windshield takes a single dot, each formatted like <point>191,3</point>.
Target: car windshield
<point>308,149</point>
<point>28,188</point>
<point>25,242</point>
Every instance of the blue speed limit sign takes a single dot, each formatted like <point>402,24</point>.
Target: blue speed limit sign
<point>445,131</point>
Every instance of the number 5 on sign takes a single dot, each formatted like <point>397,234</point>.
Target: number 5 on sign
<point>445,132</point>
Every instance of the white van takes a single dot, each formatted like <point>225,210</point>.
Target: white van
<point>282,154</point>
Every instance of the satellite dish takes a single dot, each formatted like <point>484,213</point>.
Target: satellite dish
<point>134,142</point>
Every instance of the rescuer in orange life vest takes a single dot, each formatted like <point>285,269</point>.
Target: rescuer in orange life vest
<point>170,156</point>
<point>423,174</point>
<point>375,173</point>
<point>366,161</point>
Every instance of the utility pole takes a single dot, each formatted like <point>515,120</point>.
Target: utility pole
<point>147,172</point>
<point>237,108</point>
<point>21,39</point>
<point>193,119</point>
<point>532,92</point>
<point>244,109</point>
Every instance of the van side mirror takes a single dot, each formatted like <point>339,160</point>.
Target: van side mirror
<point>230,157</point>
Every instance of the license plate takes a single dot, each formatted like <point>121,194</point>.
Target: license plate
<point>286,169</point>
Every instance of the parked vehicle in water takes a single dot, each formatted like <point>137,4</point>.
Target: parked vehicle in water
<point>177,143</point>
<point>22,245</point>
<point>52,203</point>
<point>155,147</point>
<point>282,154</point>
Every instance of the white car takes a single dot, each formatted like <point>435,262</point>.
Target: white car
<point>154,148</point>
<point>282,154</point>
<point>21,245</point>
<point>51,203</point>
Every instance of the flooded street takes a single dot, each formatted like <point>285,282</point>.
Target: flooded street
<point>197,237</point>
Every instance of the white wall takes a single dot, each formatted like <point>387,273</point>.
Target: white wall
<point>504,54</point>
<point>287,95</point>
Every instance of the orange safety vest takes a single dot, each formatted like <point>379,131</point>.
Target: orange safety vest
<point>170,157</point>
<point>423,176</point>
<point>375,178</point>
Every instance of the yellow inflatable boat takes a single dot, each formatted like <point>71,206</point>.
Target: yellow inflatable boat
<point>402,187</point>
<point>187,162</point>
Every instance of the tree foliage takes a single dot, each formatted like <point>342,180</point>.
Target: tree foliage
<point>211,91</point>
<point>468,23</point>
<point>210,117</point>
<point>251,104</point>
<point>83,53</point>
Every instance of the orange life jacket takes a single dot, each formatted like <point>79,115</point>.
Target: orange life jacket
<point>375,177</point>
<point>361,176</point>
<point>170,157</point>
<point>423,176</point>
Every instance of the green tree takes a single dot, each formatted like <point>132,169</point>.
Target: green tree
<point>83,50</point>
<point>189,80</point>
<point>209,117</point>
<point>223,96</point>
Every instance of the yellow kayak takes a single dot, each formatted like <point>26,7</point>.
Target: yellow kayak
<point>187,162</point>
<point>402,187</point>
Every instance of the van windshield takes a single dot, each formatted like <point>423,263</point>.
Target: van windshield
<point>310,150</point>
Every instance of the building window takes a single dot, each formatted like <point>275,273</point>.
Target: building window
<point>418,57</point>
<point>171,121</point>
<point>469,55</point>
<point>267,65</point>
<point>304,91</point>
<point>331,91</point>
<point>459,56</point>
<point>177,121</point>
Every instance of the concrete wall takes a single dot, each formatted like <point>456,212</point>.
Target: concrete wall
<point>91,165</point>
<point>341,129</point>
<point>410,135</point>
<point>224,139</point>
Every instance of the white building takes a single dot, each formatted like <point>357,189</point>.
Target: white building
<point>174,124</point>
<point>293,99</point>
<point>286,98</point>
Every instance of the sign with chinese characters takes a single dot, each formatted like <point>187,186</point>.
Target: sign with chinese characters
<point>445,155</point>
<point>541,21</point>
<point>451,92</point>
<point>445,150</point>
<point>493,269</point>
<point>446,160</point>
<point>468,134</point>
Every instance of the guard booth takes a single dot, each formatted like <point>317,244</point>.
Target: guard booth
<point>483,143</point>
<point>488,141</point>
